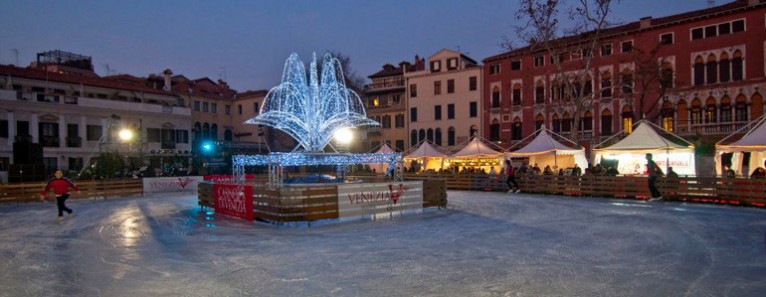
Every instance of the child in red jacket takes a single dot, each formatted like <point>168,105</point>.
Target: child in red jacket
<point>61,186</point>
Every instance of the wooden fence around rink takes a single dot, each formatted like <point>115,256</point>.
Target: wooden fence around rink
<point>734,191</point>
<point>29,192</point>
<point>297,204</point>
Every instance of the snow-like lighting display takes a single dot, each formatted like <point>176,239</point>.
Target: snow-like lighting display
<point>312,111</point>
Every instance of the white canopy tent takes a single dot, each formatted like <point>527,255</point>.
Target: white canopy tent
<point>544,150</point>
<point>754,142</point>
<point>477,154</point>
<point>631,151</point>
<point>428,156</point>
<point>380,168</point>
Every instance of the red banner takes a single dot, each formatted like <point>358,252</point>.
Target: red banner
<point>234,200</point>
<point>225,177</point>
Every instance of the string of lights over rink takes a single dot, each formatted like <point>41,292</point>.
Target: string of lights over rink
<point>313,159</point>
<point>312,111</point>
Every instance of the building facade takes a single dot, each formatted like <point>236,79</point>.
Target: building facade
<point>386,103</point>
<point>444,101</point>
<point>76,115</point>
<point>698,74</point>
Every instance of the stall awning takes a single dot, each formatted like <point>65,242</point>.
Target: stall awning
<point>645,138</point>
<point>754,140</point>
<point>544,143</point>
<point>425,150</point>
<point>476,148</point>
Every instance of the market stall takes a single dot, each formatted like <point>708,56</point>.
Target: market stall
<point>630,153</point>
<point>477,156</point>
<point>543,150</point>
<point>425,157</point>
<point>753,142</point>
<point>380,168</point>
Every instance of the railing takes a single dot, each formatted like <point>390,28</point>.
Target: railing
<point>168,145</point>
<point>73,141</point>
<point>494,110</point>
<point>736,191</point>
<point>373,131</point>
<point>388,84</point>
<point>49,141</point>
<point>710,128</point>
<point>30,192</point>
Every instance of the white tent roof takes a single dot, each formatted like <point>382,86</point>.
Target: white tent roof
<point>644,138</point>
<point>544,143</point>
<point>384,148</point>
<point>753,140</point>
<point>425,150</point>
<point>476,148</point>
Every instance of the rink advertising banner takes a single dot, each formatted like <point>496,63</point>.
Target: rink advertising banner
<point>171,184</point>
<point>379,200</point>
<point>234,200</point>
<point>225,177</point>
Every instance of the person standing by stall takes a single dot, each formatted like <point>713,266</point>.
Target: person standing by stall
<point>510,177</point>
<point>653,171</point>
<point>60,186</point>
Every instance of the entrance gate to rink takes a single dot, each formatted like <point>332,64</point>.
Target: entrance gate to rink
<point>733,191</point>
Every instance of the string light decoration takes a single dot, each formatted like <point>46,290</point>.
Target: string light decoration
<point>312,111</point>
<point>313,159</point>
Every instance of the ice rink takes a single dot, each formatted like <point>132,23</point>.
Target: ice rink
<point>483,244</point>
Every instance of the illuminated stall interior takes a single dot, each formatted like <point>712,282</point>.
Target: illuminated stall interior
<point>750,147</point>
<point>425,157</point>
<point>476,156</point>
<point>629,154</point>
<point>544,151</point>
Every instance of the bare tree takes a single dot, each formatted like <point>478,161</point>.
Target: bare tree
<point>578,42</point>
<point>653,78</point>
<point>353,80</point>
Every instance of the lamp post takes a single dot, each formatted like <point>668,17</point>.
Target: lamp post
<point>126,136</point>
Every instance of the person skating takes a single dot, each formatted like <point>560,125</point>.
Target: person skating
<point>510,177</point>
<point>653,171</point>
<point>60,186</point>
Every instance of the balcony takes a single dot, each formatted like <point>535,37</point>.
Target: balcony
<point>386,85</point>
<point>374,131</point>
<point>709,128</point>
<point>168,145</point>
<point>73,141</point>
<point>495,110</point>
<point>23,138</point>
<point>49,141</point>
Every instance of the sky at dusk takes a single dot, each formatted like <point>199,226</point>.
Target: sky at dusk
<point>247,42</point>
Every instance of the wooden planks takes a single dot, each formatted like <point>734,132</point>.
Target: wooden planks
<point>29,192</point>
<point>751,192</point>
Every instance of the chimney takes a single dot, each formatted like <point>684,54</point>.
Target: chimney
<point>646,22</point>
<point>167,73</point>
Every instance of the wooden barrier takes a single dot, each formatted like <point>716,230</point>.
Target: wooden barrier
<point>298,204</point>
<point>30,192</point>
<point>739,191</point>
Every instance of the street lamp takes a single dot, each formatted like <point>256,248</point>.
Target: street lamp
<point>125,135</point>
<point>344,136</point>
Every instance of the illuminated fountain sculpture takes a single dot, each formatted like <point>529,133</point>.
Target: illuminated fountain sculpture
<point>311,108</point>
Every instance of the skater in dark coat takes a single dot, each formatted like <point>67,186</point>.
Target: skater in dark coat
<point>60,186</point>
<point>653,171</point>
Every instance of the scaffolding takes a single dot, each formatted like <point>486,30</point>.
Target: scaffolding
<point>59,57</point>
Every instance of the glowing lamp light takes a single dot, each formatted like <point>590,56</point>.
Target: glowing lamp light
<point>125,134</point>
<point>208,147</point>
<point>344,135</point>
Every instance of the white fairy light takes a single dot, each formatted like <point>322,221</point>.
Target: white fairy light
<point>311,112</point>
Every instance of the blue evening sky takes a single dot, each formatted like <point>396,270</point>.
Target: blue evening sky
<point>250,40</point>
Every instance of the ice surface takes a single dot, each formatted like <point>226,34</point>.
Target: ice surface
<point>484,244</point>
